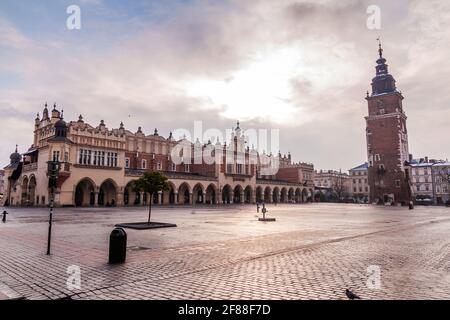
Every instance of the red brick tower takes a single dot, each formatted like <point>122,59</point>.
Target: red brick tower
<point>387,139</point>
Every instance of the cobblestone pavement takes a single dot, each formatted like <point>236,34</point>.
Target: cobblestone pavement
<point>312,251</point>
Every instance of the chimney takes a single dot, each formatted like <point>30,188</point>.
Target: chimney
<point>426,159</point>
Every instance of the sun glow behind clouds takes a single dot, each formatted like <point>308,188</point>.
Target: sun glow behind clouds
<point>261,90</point>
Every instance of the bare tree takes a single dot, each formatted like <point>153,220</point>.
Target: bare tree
<point>339,186</point>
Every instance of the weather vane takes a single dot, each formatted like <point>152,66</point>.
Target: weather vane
<point>380,50</point>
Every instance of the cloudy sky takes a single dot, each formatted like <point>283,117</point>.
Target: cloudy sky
<point>300,66</point>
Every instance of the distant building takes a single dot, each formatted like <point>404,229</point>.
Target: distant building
<point>360,189</point>
<point>441,185</point>
<point>430,180</point>
<point>98,166</point>
<point>333,185</point>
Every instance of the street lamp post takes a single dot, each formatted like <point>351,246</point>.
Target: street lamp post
<point>52,173</point>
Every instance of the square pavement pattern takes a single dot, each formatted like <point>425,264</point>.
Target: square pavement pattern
<point>312,251</point>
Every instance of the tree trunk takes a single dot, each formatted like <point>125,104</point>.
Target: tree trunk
<point>150,207</point>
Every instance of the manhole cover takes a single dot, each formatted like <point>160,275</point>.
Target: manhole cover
<point>137,248</point>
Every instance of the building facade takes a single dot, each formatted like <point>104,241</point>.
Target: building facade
<point>430,180</point>
<point>333,185</point>
<point>98,166</point>
<point>360,189</point>
<point>441,182</point>
<point>387,140</point>
<point>2,185</point>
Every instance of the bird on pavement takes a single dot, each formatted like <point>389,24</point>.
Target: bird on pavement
<point>351,295</point>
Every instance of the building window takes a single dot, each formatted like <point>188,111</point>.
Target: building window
<point>158,166</point>
<point>239,168</point>
<point>229,168</point>
<point>144,164</point>
<point>397,183</point>
<point>127,162</point>
<point>377,157</point>
<point>55,155</point>
<point>173,167</point>
<point>186,168</point>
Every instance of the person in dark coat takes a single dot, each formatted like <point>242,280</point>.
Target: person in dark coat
<point>4,216</point>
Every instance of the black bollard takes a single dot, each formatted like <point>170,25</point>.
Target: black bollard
<point>117,246</point>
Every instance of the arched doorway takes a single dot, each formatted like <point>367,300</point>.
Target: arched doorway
<point>283,197</point>
<point>85,193</point>
<point>107,194</point>
<point>24,188</point>
<point>131,197</point>
<point>198,193</point>
<point>184,194</point>
<point>259,194</point>
<point>248,194</point>
<point>268,195</point>
<point>291,195</point>
<point>237,194</point>
<point>304,195</point>
<point>168,196</point>
<point>298,195</point>
<point>276,195</point>
<point>226,194</point>
<point>32,191</point>
<point>211,194</point>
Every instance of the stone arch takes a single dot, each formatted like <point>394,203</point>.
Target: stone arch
<point>211,194</point>
<point>276,195</point>
<point>304,195</point>
<point>248,194</point>
<point>198,193</point>
<point>24,190</point>
<point>184,193</point>
<point>107,193</point>
<point>85,193</point>
<point>283,196</point>
<point>238,196</point>
<point>168,196</point>
<point>227,194</point>
<point>268,194</point>
<point>32,190</point>
<point>291,195</point>
<point>298,195</point>
<point>131,197</point>
<point>259,194</point>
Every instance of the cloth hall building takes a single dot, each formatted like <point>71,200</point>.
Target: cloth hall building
<point>98,166</point>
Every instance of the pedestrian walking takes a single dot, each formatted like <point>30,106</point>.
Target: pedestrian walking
<point>4,216</point>
<point>257,207</point>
